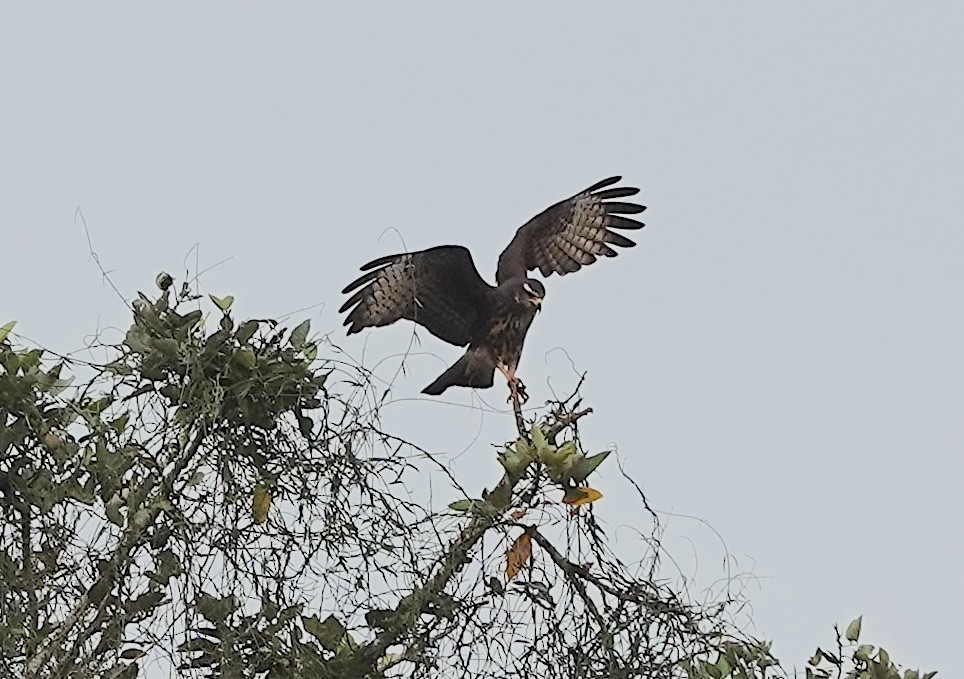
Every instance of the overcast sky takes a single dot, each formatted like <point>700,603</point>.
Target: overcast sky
<point>780,357</point>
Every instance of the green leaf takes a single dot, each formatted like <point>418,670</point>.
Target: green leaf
<point>245,356</point>
<point>145,602</point>
<point>119,368</point>
<point>5,329</point>
<point>724,667</point>
<point>120,423</point>
<point>75,491</point>
<point>167,563</point>
<point>310,351</point>
<point>113,513</point>
<point>11,361</point>
<point>499,499</point>
<point>246,331</point>
<point>163,302</point>
<point>587,465</point>
<point>883,657</point>
<point>568,449</point>
<point>190,319</point>
<point>481,507</point>
<point>214,609</point>
<point>222,303</point>
<point>300,334</point>
<point>165,345</point>
<point>99,406</point>
<point>515,461</point>
<point>830,657</point>
<point>138,340</point>
<point>31,359</point>
<point>523,448</point>
<point>538,440</point>
<point>305,424</point>
<point>58,385</point>
<point>330,633</point>
<point>198,644</point>
<point>853,629</point>
<point>863,652</point>
<point>123,672</point>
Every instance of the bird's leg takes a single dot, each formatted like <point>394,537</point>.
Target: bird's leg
<point>517,390</point>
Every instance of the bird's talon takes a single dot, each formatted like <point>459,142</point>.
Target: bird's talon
<point>521,390</point>
<point>517,392</point>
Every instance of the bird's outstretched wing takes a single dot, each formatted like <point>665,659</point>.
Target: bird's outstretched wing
<point>572,233</point>
<point>439,288</point>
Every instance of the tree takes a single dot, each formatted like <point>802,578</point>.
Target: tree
<point>223,502</point>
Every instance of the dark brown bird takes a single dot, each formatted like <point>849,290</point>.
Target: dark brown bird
<point>441,289</point>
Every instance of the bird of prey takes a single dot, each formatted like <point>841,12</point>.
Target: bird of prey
<point>441,289</point>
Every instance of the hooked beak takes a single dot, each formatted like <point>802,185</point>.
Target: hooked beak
<point>537,302</point>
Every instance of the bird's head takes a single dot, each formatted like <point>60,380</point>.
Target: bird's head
<point>532,292</point>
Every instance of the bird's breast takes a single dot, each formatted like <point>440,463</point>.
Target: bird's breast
<point>506,333</point>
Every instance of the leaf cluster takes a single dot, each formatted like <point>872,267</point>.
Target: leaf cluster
<point>240,374</point>
<point>854,660</point>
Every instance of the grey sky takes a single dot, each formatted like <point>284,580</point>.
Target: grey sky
<point>781,355</point>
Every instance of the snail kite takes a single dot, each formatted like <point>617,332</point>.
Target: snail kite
<point>441,289</point>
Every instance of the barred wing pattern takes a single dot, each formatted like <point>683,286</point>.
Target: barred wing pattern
<point>439,288</point>
<point>572,233</point>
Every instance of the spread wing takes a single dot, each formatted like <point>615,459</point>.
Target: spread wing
<point>572,233</point>
<point>439,288</point>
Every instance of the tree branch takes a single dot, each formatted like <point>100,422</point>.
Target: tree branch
<point>108,578</point>
<point>457,554</point>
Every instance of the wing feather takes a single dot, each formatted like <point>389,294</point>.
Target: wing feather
<point>623,208</point>
<point>608,181</point>
<point>621,192</point>
<point>618,239</point>
<point>438,288</point>
<point>572,233</point>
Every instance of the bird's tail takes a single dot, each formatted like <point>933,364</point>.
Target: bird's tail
<point>474,369</point>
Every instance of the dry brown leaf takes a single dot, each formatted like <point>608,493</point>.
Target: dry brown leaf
<point>517,514</point>
<point>519,554</point>
<point>260,504</point>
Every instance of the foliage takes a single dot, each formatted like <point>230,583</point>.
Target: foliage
<point>857,661</point>
<point>214,500</point>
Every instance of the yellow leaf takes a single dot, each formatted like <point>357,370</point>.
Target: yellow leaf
<point>581,496</point>
<point>260,503</point>
<point>519,554</point>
